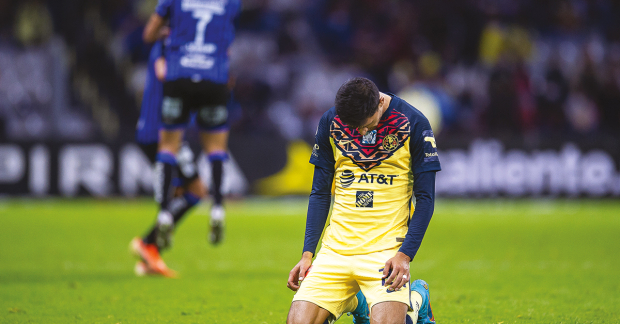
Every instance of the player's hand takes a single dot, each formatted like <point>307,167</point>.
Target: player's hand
<point>299,271</point>
<point>161,68</point>
<point>396,271</point>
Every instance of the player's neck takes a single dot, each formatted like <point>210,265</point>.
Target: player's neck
<point>386,102</point>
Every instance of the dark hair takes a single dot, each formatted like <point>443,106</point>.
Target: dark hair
<point>357,100</point>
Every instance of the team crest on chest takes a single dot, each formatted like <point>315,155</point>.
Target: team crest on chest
<point>390,142</point>
<point>371,150</point>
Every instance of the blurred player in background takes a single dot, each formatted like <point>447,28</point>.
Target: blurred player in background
<point>196,81</point>
<point>147,135</point>
<point>383,153</point>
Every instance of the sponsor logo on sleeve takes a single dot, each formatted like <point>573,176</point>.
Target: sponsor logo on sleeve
<point>315,150</point>
<point>430,147</point>
<point>364,199</point>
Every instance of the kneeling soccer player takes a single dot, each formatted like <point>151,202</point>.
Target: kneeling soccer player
<point>383,154</point>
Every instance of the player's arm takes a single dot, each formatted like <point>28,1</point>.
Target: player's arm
<point>153,28</point>
<point>318,210</point>
<point>320,198</point>
<point>424,191</point>
<point>425,163</point>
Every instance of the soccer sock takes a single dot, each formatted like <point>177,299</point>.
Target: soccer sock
<point>165,168</point>
<point>179,206</point>
<point>217,160</point>
<point>151,237</point>
<point>416,302</point>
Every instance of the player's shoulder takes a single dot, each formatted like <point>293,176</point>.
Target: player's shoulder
<point>416,118</point>
<point>323,129</point>
<point>328,116</point>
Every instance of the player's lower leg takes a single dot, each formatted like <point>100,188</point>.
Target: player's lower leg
<point>420,300</point>
<point>165,169</point>
<point>177,209</point>
<point>217,210</point>
<point>215,144</point>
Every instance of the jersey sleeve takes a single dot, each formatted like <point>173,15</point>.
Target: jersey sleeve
<point>322,152</point>
<point>157,51</point>
<point>424,156</point>
<point>163,8</point>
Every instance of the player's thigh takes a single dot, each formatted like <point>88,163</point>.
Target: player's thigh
<point>369,276</point>
<point>388,313</point>
<point>215,141</point>
<point>303,312</point>
<point>210,102</point>
<point>329,283</point>
<point>175,105</point>
<point>170,140</point>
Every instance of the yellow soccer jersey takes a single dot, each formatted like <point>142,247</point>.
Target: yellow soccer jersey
<point>373,176</point>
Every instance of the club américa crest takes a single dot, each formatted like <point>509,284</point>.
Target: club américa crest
<point>390,142</point>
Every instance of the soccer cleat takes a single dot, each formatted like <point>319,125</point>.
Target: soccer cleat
<point>165,228</point>
<point>150,256</point>
<point>217,224</point>
<point>425,314</point>
<point>361,314</point>
<point>141,269</point>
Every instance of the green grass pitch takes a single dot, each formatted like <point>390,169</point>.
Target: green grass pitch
<point>66,261</point>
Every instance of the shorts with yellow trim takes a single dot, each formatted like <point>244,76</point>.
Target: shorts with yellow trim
<point>334,279</point>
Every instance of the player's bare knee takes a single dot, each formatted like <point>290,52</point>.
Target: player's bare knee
<point>295,315</point>
<point>388,313</point>
<point>303,312</point>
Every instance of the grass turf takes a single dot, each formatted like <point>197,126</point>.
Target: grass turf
<point>66,261</point>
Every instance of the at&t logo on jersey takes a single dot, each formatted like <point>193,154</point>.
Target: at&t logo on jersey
<point>377,178</point>
<point>346,178</point>
<point>364,199</point>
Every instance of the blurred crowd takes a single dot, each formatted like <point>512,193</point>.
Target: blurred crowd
<point>523,69</point>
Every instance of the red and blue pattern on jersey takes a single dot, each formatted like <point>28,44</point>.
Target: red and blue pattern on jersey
<point>392,132</point>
